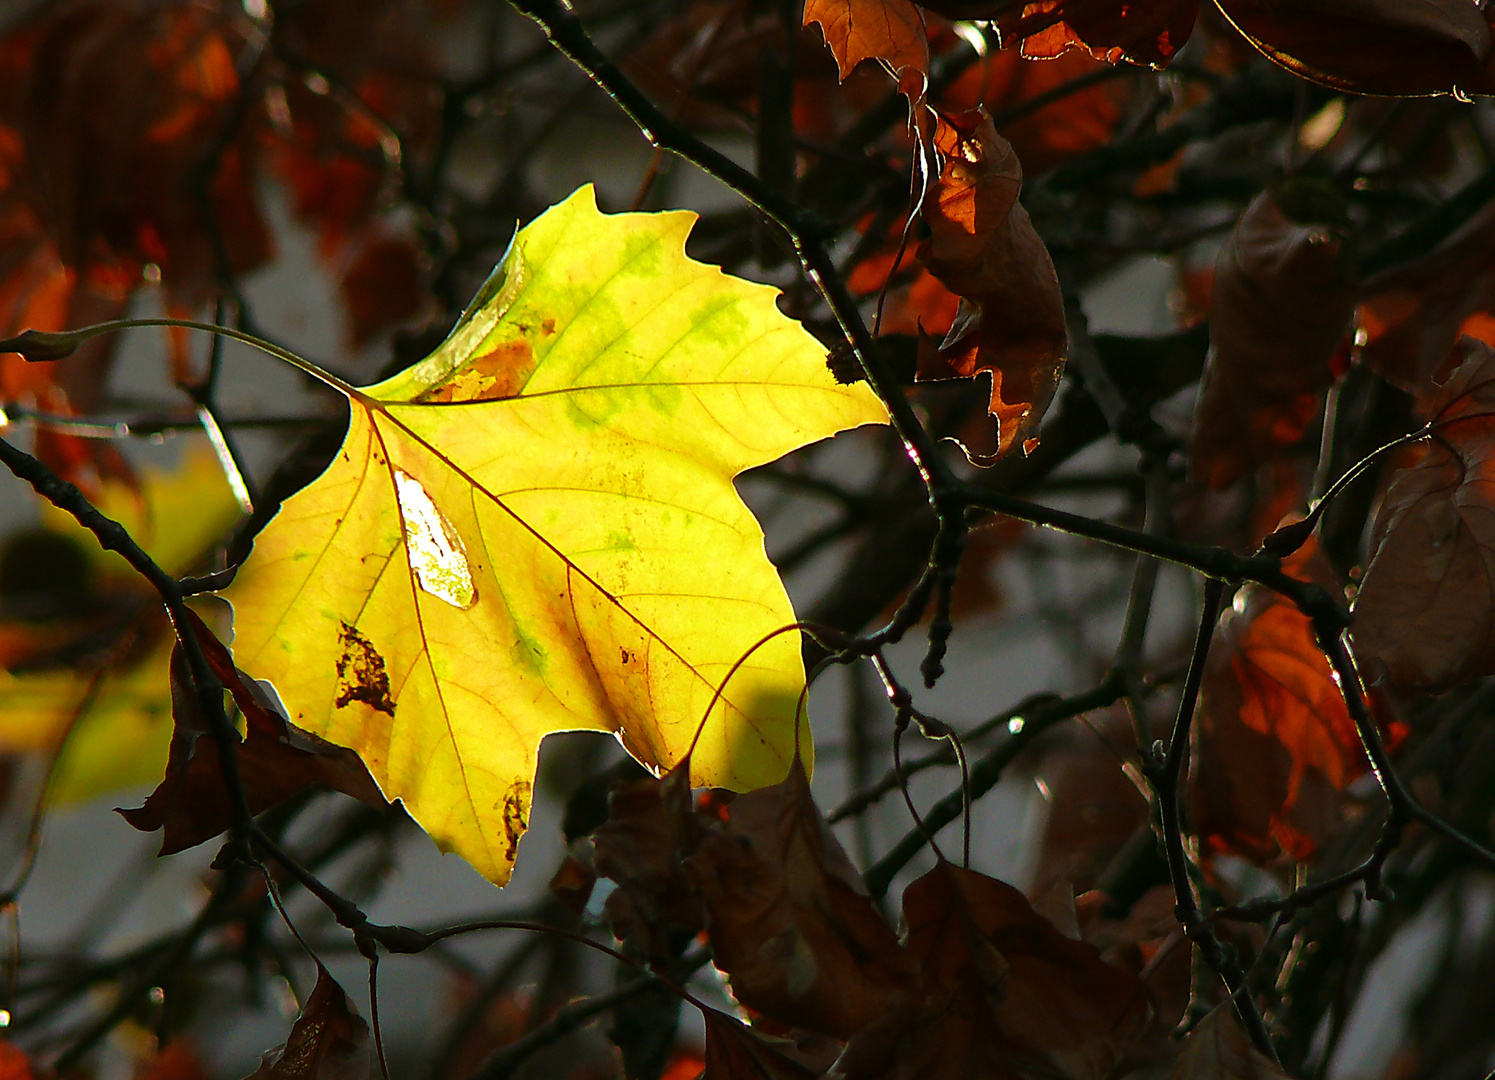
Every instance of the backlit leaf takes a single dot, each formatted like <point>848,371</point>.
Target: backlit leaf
<point>857,30</point>
<point>535,530</point>
<point>983,247</point>
<point>1275,743</point>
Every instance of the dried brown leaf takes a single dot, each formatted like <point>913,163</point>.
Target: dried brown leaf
<point>983,247</point>
<point>276,760</point>
<point>328,1041</point>
<point>735,1051</point>
<point>1278,317</point>
<point>789,918</point>
<point>1002,994</point>
<point>1425,612</point>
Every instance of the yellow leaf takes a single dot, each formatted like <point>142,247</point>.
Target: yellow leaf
<point>117,717</point>
<point>535,530</point>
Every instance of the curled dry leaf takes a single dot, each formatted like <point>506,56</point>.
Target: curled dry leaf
<point>1275,743</point>
<point>1217,1049</point>
<point>276,759</point>
<point>328,1041</point>
<point>857,30</point>
<point>1278,317</point>
<point>1425,612</point>
<point>1397,47</point>
<point>1001,994</point>
<point>651,829</point>
<point>789,919</point>
<point>983,247</point>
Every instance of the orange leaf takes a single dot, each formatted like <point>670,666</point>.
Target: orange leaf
<point>789,918</point>
<point>983,247</point>
<point>857,30</point>
<point>1079,121</point>
<point>1397,47</point>
<point>1275,740</point>
<point>1278,316</point>
<point>1002,994</point>
<point>1426,610</point>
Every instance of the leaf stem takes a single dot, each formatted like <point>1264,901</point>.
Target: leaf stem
<point>24,344</point>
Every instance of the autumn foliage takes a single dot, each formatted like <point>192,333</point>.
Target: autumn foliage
<point>1027,521</point>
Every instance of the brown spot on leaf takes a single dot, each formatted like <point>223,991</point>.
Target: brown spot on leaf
<point>494,376</point>
<point>627,656</point>
<point>516,805</point>
<point>360,673</point>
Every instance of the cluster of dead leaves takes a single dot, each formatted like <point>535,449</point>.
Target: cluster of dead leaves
<point>978,983</point>
<point>1362,46</point>
<point>131,139</point>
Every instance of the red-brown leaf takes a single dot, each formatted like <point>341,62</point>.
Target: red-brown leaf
<point>1111,30</point>
<point>789,919</point>
<point>983,247</point>
<point>1426,611</point>
<point>1275,740</point>
<point>328,1041</point>
<point>1397,47</point>
<point>1279,315</point>
<point>1002,994</point>
<point>276,759</point>
<point>857,30</point>
<point>1413,314</point>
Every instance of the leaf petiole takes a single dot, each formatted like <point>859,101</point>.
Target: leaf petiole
<point>43,347</point>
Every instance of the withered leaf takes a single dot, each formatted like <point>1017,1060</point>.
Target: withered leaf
<point>1413,313</point>
<point>1275,742</point>
<point>1217,1049</point>
<point>276,759</point>
<point>983,247</point>
<point>1280,312</point>
<point>1426,611</point>
<point>328,1041</point>
<point>789,919</point>
<point>651,829</point>
<point>735,1051</point>
<point>1398,47</point>
<point>1002,993</point>
<point>857,30</point>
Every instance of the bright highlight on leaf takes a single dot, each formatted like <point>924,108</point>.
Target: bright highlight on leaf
<point>535,530</point>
